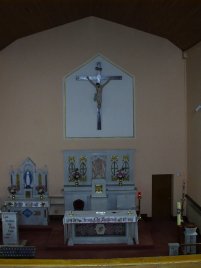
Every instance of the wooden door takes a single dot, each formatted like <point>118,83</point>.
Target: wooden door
<point>162,196</point>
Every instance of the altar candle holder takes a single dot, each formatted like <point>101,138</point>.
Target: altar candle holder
<point>139,197</point>
<point>76,176</point>
<point>179,213</point>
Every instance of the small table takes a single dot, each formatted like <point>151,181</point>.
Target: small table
<point>100,227</point>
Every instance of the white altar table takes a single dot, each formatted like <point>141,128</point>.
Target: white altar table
<point>100,227</point>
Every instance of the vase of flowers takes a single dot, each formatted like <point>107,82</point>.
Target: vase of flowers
<point>13,190</point>
<point>41,189</point>
<point>76,176</point>
<point>120,176</point>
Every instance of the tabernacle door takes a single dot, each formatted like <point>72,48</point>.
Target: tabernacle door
<point>99,198</point>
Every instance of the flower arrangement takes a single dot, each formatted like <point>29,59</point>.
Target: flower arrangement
<point>13,189</point>
<point>76,176</point>
<point>120,175</point>
<point>41,189</point>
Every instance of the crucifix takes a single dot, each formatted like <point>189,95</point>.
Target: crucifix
<point>99,81</point>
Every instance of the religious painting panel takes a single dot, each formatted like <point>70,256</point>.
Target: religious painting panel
<point>99,167</point>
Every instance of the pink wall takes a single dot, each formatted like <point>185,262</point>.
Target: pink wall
<point>32,70</point>
<point>194,129</point>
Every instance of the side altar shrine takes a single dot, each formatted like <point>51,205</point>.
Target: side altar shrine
<point>99,196</point>
<point>28,194</point>
<point>27,204</point>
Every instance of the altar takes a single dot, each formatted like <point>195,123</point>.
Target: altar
<point>28,194</point>
<point>100,227</point>
<point>103,180</point>
<point>100,197</point>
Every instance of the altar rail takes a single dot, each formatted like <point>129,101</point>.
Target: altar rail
<point>193,210</point>
<point>146,262</point>
<point>196,245</point>
<point>196,206</point>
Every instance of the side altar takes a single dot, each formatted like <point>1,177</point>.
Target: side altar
<point>100,182</point>
<point>28,194</point>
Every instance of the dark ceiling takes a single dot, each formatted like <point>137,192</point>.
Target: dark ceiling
<point>179,21</point>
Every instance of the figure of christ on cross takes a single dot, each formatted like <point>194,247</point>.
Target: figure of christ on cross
<point>99,88</point>
<point>98,98</point>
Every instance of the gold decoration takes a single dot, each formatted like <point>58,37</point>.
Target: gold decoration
<point>114,158</point>
<point>71,159</point>
<point>125,158</point>
<point>83,159</point>
<point>99,188</point>
<point>83,168</point>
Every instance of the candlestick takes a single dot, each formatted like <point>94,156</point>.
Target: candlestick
<point>178,213</point>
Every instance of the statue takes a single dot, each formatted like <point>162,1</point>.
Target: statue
<point>27,179</point>
<point>98,98</point>
<point>99,88</point>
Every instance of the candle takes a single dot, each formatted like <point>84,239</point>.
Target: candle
<point>178,213</point>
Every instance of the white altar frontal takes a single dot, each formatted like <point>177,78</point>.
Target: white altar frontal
<point>100,197</point>
<point>100,227</point>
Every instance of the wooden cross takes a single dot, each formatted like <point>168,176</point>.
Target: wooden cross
<point>99,81</point>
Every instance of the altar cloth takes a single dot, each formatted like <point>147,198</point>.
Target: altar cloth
<point>110,216</point>
<point>101,219</point>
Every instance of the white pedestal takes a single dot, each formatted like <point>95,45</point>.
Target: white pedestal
<point>190,238</point>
